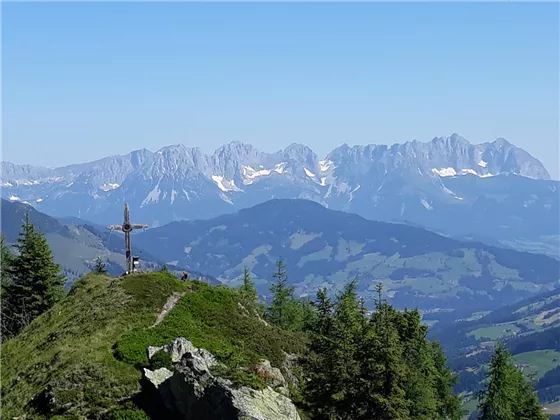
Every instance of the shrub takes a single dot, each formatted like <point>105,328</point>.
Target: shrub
<point>161,359</point>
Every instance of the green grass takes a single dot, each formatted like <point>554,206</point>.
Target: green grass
<point>539,362</point>
<point>90,346</point>
<point>210,317</point>
<point>496,331</point>
<point>470,405</point>
<point>70,346</point>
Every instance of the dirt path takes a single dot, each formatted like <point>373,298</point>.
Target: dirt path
<point>170,304</point>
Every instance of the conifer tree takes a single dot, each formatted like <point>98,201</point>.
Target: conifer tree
<point>164,268</point>
<point>508,396</point>
<point>448,405</point>
<point>379,367</point>
<point>248,290</point>
<point>384,369</point>
<point>36,280</point>
<point>281,310</point>
<point>99,266</point>
<point>6,260</point>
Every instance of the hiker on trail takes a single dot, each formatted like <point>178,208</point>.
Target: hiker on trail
<point>185,276</point>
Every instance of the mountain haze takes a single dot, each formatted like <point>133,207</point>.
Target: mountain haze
<point>324,247</point>
<point>491,190</point>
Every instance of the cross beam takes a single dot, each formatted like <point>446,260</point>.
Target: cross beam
<point>127,227</point>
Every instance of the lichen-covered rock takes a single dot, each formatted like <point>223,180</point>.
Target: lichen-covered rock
<point>153,350</point>
<point>176,349</point>
<point>271,375</point>
<point>287,368</point>
<point>158,376</point>
<point>193,392</point>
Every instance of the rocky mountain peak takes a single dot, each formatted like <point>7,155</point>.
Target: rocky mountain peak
<point>177,179</point>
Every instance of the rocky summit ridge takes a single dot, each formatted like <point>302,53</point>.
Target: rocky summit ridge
<point>179,182</point>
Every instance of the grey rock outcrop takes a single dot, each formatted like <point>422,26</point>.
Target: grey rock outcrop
<point>192,391</point>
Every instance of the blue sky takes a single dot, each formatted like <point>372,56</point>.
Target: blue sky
<point>84,80</point>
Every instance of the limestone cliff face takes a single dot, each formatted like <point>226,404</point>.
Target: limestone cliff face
<point>192,391</point>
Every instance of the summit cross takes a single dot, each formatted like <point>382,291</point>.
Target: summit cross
<point>127,227</point>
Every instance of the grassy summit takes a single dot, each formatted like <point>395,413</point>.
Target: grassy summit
<point>89,347</point>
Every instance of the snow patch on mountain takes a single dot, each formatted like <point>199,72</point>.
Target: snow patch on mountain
<point>250,174</point>
<point>469,171</point>
<point>352,192</point>
<point>152,197</point>
<point>39,200</point>
<point>219,182</point>
<point>325,165</point>
<point>449,172</point>
<point>224,184</point>
<point>426,204</point>
<point>226,198</point>
<point>280,167</point>
<point>443,172</point>
<point>482,164</point>
<point>14,198</point>
<point>448,191</point>
<point>109,186</point>
<point>309,173</point>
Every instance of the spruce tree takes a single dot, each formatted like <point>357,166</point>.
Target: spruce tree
<point>508,395</point>
<point>6,263</point>
<point>99,266</point>
<point>384,369</point>
<point>379,367</point>
<point>248,291</point>
<point>6,260</point>
<point>36,280</point>
<point>448,405</point>
<point>281,310</point>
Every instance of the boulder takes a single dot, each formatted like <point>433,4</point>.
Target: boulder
<point>158,376</point>
<point>176,349</point>
<point>192,391</point>
<point>272,376</point>
<point>287,368</point>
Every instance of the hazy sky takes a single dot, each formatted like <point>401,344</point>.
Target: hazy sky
<point>84,80</point>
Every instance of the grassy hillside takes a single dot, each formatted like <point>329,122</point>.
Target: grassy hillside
<point>88,349</point>
<point>322,247</point>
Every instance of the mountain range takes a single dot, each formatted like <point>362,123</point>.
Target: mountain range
<point>327,248</point>
<point>494,192</point>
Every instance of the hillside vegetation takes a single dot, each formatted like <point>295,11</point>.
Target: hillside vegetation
<point>87,349</point>
<point>69,349</point>
<point>151,346</point>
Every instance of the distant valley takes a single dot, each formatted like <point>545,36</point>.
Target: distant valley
<point>531,330</point>
<point>323,247</point>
